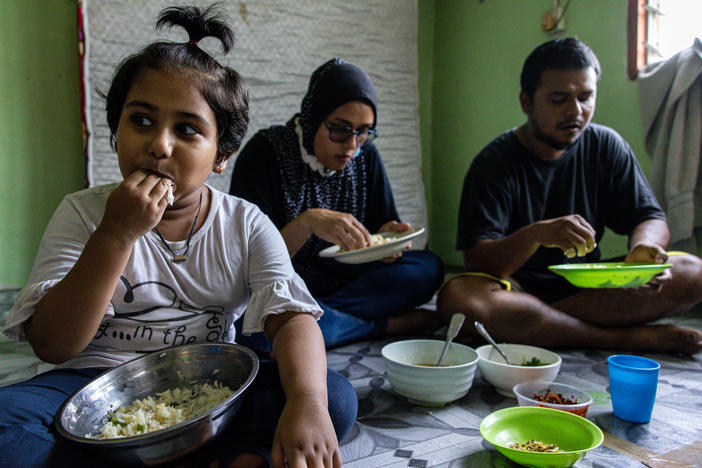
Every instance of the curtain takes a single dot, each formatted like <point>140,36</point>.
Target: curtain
<point>670,94</point>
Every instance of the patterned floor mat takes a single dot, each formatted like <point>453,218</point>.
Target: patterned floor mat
<point>390,432</point>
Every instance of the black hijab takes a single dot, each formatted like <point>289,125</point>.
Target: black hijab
<point>332,85</point>
<point>303,187</point>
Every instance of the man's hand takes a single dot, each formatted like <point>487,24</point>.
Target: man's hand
<point>305,436</point>
<point>336,227</point>
<point>651,253</point>
<point>646,253</point>
<point>572,234</point>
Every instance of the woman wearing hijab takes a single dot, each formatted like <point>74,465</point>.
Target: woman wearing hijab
<point>321,181</point>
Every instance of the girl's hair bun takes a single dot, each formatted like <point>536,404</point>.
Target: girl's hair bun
<point>198,23</point>
<point>221,86</point>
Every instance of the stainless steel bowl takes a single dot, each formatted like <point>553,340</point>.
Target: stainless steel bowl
<point>82,415</point>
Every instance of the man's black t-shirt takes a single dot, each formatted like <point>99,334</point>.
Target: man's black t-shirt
<point>507,188</point>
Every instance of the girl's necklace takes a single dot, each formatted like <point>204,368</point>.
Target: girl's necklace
<point>180,258</point>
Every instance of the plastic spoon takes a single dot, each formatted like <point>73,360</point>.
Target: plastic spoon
<point>481,329</point>
<point>453,328</point>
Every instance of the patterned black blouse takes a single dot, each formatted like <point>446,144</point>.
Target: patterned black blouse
<point>270,172</point>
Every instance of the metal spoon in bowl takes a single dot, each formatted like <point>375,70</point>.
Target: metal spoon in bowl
<point>481,329</point>
<point>453,328</point>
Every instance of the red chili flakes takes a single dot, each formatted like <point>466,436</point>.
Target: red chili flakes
<point>554,398</point>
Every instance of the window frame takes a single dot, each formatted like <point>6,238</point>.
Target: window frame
<point>636,37</point>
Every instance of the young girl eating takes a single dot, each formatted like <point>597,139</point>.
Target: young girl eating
<point>120,272</point>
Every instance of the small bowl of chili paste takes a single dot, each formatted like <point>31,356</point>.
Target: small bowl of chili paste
<point>553,395</point>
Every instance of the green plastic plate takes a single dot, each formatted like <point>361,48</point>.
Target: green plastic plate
<point>609,275</point>
<point>574,435</point>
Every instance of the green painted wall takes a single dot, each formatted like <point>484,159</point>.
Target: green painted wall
<point>479,49</point>
<point>40,129</point>
<point>470,56</point>
<point>425,79</point>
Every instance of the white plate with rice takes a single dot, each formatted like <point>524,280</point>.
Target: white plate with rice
<point>385,244</point>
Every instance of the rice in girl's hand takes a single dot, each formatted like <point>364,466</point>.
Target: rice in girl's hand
<point>169,195</point>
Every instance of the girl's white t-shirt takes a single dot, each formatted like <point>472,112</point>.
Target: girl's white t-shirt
<point>237,262</point>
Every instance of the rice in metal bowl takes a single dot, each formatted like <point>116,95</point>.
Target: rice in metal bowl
<point>84,413</point>
<point>166,409</point>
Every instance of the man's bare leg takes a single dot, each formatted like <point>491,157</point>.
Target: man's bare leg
<point>512,316</point>
<point>417,321</point>
<point>246,460</point>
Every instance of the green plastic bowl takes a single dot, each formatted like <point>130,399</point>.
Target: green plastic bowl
<point>609,274</point>
<point>574,435</point>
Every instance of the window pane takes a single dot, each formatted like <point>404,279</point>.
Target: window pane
<point>676,28</point>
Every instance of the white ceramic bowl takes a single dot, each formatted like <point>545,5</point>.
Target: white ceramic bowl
<point>412,373</point>
<point>504,377</point>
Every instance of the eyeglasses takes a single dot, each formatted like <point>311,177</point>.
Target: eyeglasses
<point>339,134</point>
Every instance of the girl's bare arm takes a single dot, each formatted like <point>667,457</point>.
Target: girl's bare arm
<point>305,430</point>
<point>68,315</point>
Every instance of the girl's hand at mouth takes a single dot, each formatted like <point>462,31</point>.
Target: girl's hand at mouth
<point>135,206</point>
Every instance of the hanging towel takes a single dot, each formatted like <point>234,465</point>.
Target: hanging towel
<point>670,94</point>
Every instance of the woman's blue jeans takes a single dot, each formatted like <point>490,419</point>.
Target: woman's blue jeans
<point>360,309</point>
<point>28,437</point>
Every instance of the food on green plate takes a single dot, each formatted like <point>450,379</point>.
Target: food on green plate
<point>534,446</point>
<point>166,409</point>
<point>533,362</point>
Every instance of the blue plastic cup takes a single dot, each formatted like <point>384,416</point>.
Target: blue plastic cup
<point>632,385</point>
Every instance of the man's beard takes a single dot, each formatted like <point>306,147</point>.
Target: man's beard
<point>550,141</point>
